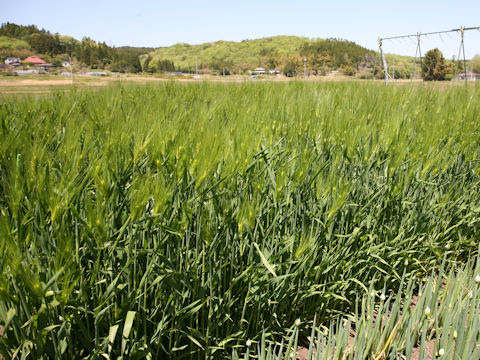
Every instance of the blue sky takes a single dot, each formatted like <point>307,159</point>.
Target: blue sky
<point>163,23</point>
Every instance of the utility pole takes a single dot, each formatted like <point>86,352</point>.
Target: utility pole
<point>462,45</point>
<point>455,70</point>
<point>71,68</point>
<point>305,67</point>
<point>385,66</point>
<point>393,70</point>
<point>196,65</point>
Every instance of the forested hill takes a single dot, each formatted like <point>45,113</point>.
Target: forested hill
<point>270,53</point>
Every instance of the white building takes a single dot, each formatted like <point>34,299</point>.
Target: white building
<point>13,61</point>
<point>259,71</point>
<point>471,76</point>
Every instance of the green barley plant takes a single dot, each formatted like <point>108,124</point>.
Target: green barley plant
<point>180,220</point>
<point>436,318</point>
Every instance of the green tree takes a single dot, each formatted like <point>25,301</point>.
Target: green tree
<point>434,66</point>
<point>290,69</point>
<point>165,66</point>
<point>146,63</point>
<point>476,63</point>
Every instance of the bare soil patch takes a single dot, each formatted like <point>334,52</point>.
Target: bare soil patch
<point>302,352</point>
<point>34,82</point>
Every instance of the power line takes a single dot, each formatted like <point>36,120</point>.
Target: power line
<point>418,36</point>
<point>432,33</point>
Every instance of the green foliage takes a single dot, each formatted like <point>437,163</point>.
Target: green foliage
<point>56,62</point>
<point>334,53</point>
<point>164,66</point>
<point>290,69</point>
<point>155,65</point>
<point>441,320</point>
<point>88,52</point>
<point>9,43</point>
<point>17,31</point>
<point>270,53</point>
<point>403,66</point>
<point>434,66</point>
<point>179,220</point>
<point>41,41</point>
<point>476,64</point>
<point>127,59</point>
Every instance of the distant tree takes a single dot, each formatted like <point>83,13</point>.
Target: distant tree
<point>56,62</point>
<point>334,53</point>
<point>87,51</point>
<point>348,70</point>
<point>290,69</point>
<point>476,64</point>
<point>17,31</point>
<point>457,65</point>
<point>146,63</point>
<point>165,66</point>
<point>434,66</point>
<point>272,63</point>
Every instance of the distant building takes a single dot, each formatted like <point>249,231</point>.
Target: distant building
<point>95,73</point>
<point>45,66</point>
<point>34,60</point>
<point>273,72</point>
<point>471,76</point>
<point>3,67</point>
<point>26,72</point>
<point>259,71</point>
<point>14,61</point>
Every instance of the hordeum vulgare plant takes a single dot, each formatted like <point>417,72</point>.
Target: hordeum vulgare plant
<point>180,220</point>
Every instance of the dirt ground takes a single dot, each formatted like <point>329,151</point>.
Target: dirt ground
<point>302,352</point>
<point>45,84</point>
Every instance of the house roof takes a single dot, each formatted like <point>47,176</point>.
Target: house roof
<point>34,60</point>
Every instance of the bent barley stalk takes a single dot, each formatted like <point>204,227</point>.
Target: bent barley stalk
<point>181,220</point>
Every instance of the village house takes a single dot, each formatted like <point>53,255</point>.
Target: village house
<point>45,66</point>
<point>14,61</point>
<point>34,60</point>
<point>39,63</point>
<point>471,76</point>
<point>259,71</point>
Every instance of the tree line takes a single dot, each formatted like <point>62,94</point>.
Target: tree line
<point>338,54</point>
<point>96,55</point>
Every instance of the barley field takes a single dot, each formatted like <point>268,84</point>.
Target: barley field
<point>184,221</point>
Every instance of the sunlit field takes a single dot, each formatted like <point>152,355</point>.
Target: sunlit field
<point>183,220</point>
